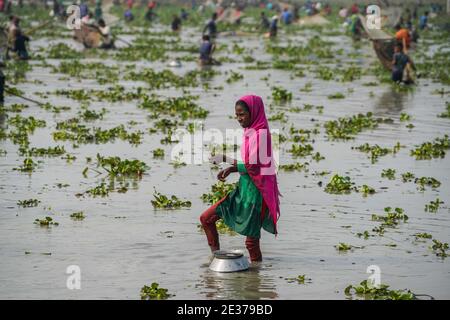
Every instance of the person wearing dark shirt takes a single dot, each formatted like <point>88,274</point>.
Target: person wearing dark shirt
<point>211,27</point>
<point>265,23</point>
<point>184,15</point>
<point>176,23</point>
<point>206,51</point>
<point>20,45</point>
<point>400,61</point>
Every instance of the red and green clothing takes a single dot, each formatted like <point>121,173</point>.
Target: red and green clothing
<point>244,210</point>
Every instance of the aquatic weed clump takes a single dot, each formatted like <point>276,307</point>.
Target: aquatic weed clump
<point>154,292</point>
<point>432,150</point>
<point>218,191</point>
<point>347,128</point>
<point>164,202</point>
<point>365,290</point>
<point>340,185</point>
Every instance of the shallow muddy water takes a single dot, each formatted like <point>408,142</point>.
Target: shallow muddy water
<point>123,243</point>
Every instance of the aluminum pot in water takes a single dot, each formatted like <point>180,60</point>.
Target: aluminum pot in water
<point>229,261</point>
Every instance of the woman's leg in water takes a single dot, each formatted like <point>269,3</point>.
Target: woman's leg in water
<point>208,220</point>
<point>253,248</point>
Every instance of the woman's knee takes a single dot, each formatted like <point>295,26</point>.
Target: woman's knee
<point>208,216</point>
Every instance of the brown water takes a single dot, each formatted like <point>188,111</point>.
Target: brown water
<point>117,256</point>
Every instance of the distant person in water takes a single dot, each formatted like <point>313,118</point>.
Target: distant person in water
<point>401,65</point>
<point>211,28</point>
<point>184,15</point>
<point>20,47</point>
<point>206,51</point>
<point>98,10</point>
<point>150,15</point>
<point>423,21</point>
<point>176,23</point>
<point>128,15</point>
<point>402,35</point>
<point>273,28</point>
<point>265,23</point>
<point>254,204</point>
<point>286,16</point>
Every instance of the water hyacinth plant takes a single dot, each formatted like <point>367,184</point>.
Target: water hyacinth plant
<point>154,292</point>
<point>46,222</point>
<point>164,202</point>
<point>365,290</point>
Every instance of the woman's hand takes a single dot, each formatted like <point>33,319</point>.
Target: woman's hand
<point>223,174</point>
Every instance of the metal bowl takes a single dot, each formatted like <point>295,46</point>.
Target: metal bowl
<point>229,261</point>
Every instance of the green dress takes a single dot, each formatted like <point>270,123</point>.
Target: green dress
<point>241,209</point>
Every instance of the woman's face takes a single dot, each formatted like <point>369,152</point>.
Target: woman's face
<point>242,116</point>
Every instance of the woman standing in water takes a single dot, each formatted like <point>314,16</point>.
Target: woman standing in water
<point>254,204</point>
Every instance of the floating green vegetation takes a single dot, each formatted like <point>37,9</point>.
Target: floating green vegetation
<point>430,150</point>
<point>28,203</point>
<point>301,279</point>
<point>337,95</point>
<point>445,114</point>
<point>408,177</point>
<point>154,292</point>
<point>167,79</point>
<point>366,190</point>
<point>15,107</point>
<point>89,115</point>
<point>72,130</point>
<point>440,249</point>
<point>343,247</point>
<point>392,217</point>
<point>281,95</point>
<point>388,173</point>
<point>280,116</point>
<point>301,150</point>
<point>295,167</point>
<point>367,291</point>
<point>218,191</point>
<point>46,222</point>
<point>364,235</point>
<point>404,117</point>
<point>347,128</point>
<point>234,77</point>
<point>93,70</point>
<point>40,152</point>
<point>340,185</point>
<point>78,216</point>
<point>351,73</point>
<point>28,165</point>
<point>376,151</point>
<point>158,153</point>
<point>183,107</point>
<point>164,202</point>
<point>118,167</point>
<point>27,125</point>
<point>423,236</point>
<point>427,181</point>
<point>433,206</point>
<point>62,51</point>
<point>178,163</point>
<point>99,191</point>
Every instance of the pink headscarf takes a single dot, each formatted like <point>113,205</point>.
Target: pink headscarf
<point>256,152</point>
